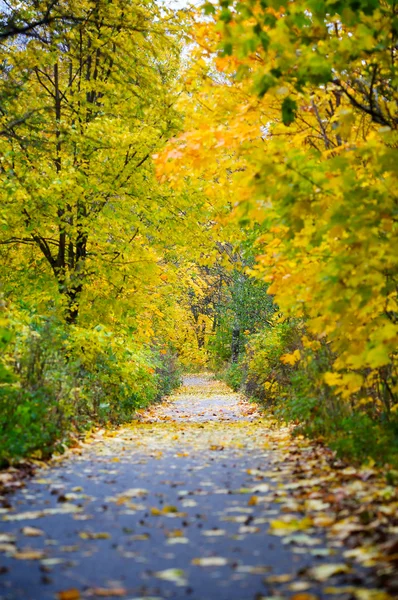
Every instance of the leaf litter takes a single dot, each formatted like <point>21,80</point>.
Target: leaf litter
<point>301,522</point>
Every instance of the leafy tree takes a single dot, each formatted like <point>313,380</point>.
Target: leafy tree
<point>304,149</point>
<point>78,190</point>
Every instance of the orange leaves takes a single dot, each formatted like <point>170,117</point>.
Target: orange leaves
<point>72,594</point>
<point>319,192</point>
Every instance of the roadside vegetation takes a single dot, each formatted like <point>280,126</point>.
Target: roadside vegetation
<point>204,188</point>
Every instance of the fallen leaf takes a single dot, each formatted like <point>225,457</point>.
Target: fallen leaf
<point>7,538</point>
<point>301,539</point>
<point>135,493</point>
<point>214,532</point>
<point>89,535</point>
<point>176,576</point>
<point>32,531</point>
<point>323,521</point>
<point>72,594</point>
<point>37,514</point>
<point>255,570</point>
<point>155,512</point>
<point>261,487</point>
<point>323,572</point>
<point>7,547</point>
<point>279,527</point>
<point>29,555</point>
<point>50,562</point>
<point>177,540</point>
<point>211,561</point>
<point>248,529</point>
<point>299,586</point>
<point>279,578</point>
<point>108,592</point>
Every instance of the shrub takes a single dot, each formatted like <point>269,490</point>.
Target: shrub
<point>233,376</point>
<point>55,379</point>
<point>287,371</point>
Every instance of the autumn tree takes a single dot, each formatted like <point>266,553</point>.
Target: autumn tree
<point>299,101</point>
<point>95,101</point>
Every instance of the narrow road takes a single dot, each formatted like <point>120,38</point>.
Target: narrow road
<point>197,499</point>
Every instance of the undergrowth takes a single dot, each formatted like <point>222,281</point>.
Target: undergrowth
<point>285,370</point>
<point>57,380</point>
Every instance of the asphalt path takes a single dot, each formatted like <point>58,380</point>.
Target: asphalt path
<point>182,503</point>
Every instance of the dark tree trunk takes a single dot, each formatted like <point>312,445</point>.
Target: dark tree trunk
<point>235,343</point>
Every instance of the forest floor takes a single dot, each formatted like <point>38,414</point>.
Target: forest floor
<point>200,498</point>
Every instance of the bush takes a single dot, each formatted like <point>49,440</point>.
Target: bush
<point>286,370</point>
<point>56,379</point>
<point>233,376</point>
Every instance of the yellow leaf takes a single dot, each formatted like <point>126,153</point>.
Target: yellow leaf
<point>291,359</point>
<point>323,572</point>
<point>72,594</point>
<point>253,501</point>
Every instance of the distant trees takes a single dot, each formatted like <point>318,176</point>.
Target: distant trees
<point>299,101</point>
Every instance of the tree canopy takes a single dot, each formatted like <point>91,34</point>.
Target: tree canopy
<point>215,186</point>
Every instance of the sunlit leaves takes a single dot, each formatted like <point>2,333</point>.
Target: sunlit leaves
<point>309,148</point>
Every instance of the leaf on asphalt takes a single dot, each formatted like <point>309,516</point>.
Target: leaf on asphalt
<point>261,487</point>
<point>253,570</point>
<point>134,493</point>
<point>314,504</point>
<point>284,578</point>
<point>211,561</point>
<point>188,503</point>
<point>7,547</point>
<point>37,514</point>
<point>323,572</point>
<point>237,519</point>
<point>32,531</point>
<point>214,532</point>
<point>248,529</point>
<point>90,535</point>
<point>7,538</point>
<point>301,539</point>
<point>72,594</point>
<point>29,555</point>
<point>299,586</point>
<point>51,562</point>
<point>116,592</point>
<point>279,527</point>
<point>253,501</point>
<point>176,576</point>
<point>171,541</point>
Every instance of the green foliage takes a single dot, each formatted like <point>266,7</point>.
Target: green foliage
<point>233,376</point>
<point>6,376</point>
<point>240,310</point>
<point>284,369</point>
<point>66,379</point>
<point>92,245</point>
<point>168,370</point>
<point>358,436</point>
<point>305,150</point>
